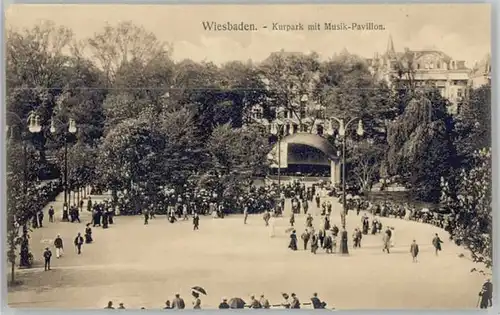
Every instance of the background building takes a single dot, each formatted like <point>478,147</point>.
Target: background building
<point>424,67</point>
<point>481,72</point>
<point>305,119</point>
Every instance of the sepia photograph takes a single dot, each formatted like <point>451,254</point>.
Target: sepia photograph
<point>333,157</point>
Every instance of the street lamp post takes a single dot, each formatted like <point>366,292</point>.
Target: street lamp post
<point>279,130</point>
<point>279,133</point>
<point>32,124</point>
<point>71,129</point>
<point>342,133</point>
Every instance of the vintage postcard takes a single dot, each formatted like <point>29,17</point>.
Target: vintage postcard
<point>248,156</point>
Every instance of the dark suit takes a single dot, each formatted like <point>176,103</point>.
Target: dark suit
<point>78,244</point>
<point>178,303</point>
<point>316,303</point>
<point>47,255</point>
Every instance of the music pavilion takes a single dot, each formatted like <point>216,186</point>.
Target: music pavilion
<point>306,155</point>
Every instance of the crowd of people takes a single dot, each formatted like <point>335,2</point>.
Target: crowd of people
<point>193,199</point>
<point>38,197</point>
<point>58,244</point>
<point>330,237</point>
<point>289,302</point>
<point>270,201</point>
<point>102,216</point>
<point>402,211</point>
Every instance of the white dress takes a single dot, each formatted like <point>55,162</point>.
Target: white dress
<point>272,222</point>
<point>393,239</point>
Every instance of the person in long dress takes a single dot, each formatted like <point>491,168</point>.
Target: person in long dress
<point>414,251</point>
<point>196,301</point>
<point>293,241</point>
<point>393,241</point>
<point>344,250</point>
<point>334,243</point>
<point>387,241</point>
<point>272,223</point>
<point>314,243</point>
<point>88,234</point>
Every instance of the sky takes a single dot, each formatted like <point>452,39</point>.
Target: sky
<point>463,31</point>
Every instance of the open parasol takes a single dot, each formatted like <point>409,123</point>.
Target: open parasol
<point>236,303</point>
<point>198,289</point>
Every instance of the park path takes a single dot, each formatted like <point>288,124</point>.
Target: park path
<point>143,265</point>
<point>59,202</point>
<point>44,237</point>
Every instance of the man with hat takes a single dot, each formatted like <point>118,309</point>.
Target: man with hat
<point>47,254</point>
<point>486,294</point>
<point>51,214</point>
<point>305,238</point>
<point>196,222</point>
<point>436,241</point>
<point>58,244</point>
<point>78,243</point>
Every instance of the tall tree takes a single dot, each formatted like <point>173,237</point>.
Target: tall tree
<point>471,205</point>
<point>288,77</point>
<point>365,160</point>
<point>199,87</point>
<point>139,86</point>
<point>35,71</point>
<point>149,152</point>
<point>348,90</point>
<point>420,145</point>
<point>235,156</point>
<point>22,170</point>
<point>123,43</point>
<point>473,127</point>
<point>83,99</point>
<point>243,88</point>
